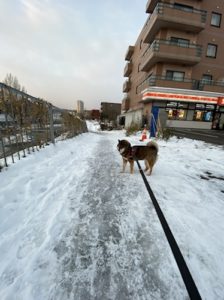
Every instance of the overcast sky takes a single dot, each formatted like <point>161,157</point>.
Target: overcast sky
<point>69,50</point>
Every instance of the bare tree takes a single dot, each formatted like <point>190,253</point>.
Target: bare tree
<point>24,89</point>
<point>12,81</point>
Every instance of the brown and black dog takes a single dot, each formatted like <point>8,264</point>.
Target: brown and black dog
<point>148,153</point>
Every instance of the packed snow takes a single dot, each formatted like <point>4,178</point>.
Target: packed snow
<point>74,227</point>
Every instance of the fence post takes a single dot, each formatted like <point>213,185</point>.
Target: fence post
<point>3,149</point>
<point>7,122</point>
<point>50,111</point>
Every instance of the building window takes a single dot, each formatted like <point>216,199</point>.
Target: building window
<point>183,7</point>
<point>203,112</point>
<point>175,75</point>
<point>216,19</point>
<point>190,111</point>
<point>205,116</point>
<point>177,114</point>
<point>198,115</point>
<point>176,110</point>
<point>179,42</point>
<point>211,50</point>
<point>206,79</point>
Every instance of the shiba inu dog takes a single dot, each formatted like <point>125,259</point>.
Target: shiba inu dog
<point>148,153</point>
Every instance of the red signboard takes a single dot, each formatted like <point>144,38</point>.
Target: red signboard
<point>220,101</point>
<point>180,97</point>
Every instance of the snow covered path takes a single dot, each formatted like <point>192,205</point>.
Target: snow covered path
<point>112,252</point>
<point>74,227</point>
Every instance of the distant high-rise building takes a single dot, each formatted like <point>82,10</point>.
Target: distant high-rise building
<point>80,107</point>
<point>176,65</point>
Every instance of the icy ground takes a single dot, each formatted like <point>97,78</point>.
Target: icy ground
<point>73,227</point>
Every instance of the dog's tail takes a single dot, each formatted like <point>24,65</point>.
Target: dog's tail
<point>154,145</point>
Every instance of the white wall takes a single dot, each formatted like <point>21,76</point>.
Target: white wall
<point>133,117</point>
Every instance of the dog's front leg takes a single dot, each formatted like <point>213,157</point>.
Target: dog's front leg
<point>124,165</point>
<point>132,167</point>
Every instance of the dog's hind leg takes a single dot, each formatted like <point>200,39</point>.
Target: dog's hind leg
<point>131,167</point>
<point>151,163</point>
<point>146,165</point>
<point>150,172</point>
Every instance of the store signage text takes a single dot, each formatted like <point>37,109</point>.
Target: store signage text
<point>179,97</point>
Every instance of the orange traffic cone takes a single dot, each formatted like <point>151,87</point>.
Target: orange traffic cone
<point>144,135</point>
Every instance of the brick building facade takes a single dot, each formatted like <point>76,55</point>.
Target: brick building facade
<point>177,65</point>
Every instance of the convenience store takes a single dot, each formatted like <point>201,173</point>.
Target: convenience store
<point>186,108</point>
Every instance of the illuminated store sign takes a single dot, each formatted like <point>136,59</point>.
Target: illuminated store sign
<point>221,101</point>
<point>181,97</point>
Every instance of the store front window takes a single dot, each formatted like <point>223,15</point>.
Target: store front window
<point>176,114</point>
<point>205,116</point>
<point>208,116</point>
<point>198,115</point>
<point>181,114</point>
<point>190,111</point>
<point>176,110</point>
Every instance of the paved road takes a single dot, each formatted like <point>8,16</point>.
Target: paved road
<point>210,136</point>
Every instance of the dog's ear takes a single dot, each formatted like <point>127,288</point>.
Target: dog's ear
<point>119,141</point>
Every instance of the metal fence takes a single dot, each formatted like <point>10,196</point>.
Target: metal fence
<point>28,124</point>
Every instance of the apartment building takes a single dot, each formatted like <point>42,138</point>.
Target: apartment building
<point>80,107</point>
<point>177,65</point>
<point>110,111</point>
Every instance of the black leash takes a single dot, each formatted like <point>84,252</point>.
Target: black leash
<point>183,268</point>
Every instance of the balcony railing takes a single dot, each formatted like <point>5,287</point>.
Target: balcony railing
<point>185,83</point>
<point>209,85</point>
<point>125,104</point>
<point>151,5</point>
<point>170,16</point>
<point>126,86</point>
<point>170,52</point>
<point>129,52</point>
<point>128,69</point>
